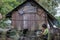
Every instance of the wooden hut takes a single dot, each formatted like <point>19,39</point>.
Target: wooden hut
<point>30,15</point>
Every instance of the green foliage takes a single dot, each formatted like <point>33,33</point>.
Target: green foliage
<point>0,3</point>
<point>2,24</point>
<point>49,5</point>
<point>58,20</point>
<point>7,6</point>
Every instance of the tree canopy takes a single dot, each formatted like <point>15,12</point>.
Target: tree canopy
<point>7,5</point>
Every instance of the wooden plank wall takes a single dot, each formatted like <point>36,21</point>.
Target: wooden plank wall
<point>30,20</point>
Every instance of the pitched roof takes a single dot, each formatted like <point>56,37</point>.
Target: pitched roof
<point>19,6</point>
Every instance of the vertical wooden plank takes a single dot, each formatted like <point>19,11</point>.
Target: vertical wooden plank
<point>17,20</point>
<point>13,19</point>
<point>41,14</point>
